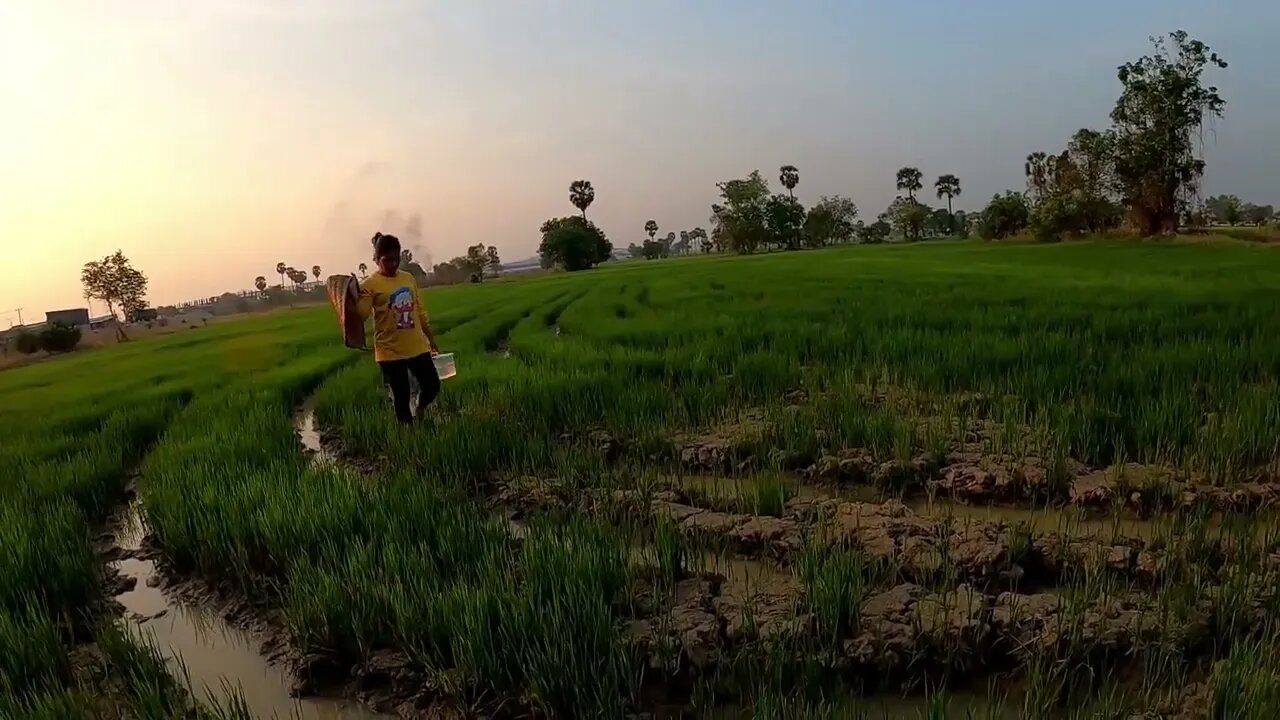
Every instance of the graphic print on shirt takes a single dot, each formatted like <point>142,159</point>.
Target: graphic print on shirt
<point>401,303</point>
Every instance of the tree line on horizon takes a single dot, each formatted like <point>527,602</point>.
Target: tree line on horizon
<point>1141,174</point>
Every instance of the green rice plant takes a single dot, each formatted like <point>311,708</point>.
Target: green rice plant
<point>769,493</point>
<point>559,633</point>
<point>669,546</point>
<point>836,582</point>
<point>50,706</point>
<point>785,706</point>
<point>49,565</point>
<point>32,658</point>
<point>1246,686</point>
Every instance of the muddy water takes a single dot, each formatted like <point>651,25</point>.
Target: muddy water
<point>742,572</point>
<point>304,422</point>
<point>215,655</point>
<point>730,487</point>
<point>737,571</point>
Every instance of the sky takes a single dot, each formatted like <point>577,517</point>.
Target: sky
<point>211,139</point>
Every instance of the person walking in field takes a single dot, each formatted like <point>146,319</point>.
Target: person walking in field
<point>403,343</point>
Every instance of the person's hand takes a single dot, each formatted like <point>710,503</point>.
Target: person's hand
<point>435,350</point>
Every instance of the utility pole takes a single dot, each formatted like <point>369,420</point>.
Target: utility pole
<point>19,311</point>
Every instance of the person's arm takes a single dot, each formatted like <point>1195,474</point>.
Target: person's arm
<point>364,300</point>
<point>425,322</point>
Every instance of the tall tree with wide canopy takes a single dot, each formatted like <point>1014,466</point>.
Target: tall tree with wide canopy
<point>1159,118</point>
<point>116,282</point>
<point>830,221</point>
<point>573,243</point>
<point>740,220</point>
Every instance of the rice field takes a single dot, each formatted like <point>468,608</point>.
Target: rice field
<point>949,480</point>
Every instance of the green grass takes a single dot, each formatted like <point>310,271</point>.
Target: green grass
<point>1097,352</point>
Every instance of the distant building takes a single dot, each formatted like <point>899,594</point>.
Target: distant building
<point>100,323</point>
<point>520,266</point>
<point>192,317</point>
<point>78,317</point>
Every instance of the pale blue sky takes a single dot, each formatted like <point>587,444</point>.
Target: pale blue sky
<point>281,130</point>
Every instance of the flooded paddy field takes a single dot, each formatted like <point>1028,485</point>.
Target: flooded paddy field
<point>847,483</point>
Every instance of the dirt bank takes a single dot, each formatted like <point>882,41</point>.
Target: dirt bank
<point>980,469</point>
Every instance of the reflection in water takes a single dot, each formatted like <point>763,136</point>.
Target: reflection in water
<point>718,486</point>
<point>212,653</point>
<point>309,435</point>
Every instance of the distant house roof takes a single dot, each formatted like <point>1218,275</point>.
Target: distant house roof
<point>73,316</point>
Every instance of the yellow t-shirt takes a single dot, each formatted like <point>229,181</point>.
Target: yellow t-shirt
<point>399,318</point>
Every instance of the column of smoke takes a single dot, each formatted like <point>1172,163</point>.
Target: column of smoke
<point>410,233</point>
<point>355,216</point>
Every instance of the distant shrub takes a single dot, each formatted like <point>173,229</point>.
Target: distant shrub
<point>873,233</point>
<point>1006,215</point>
<point>1248,234</point>
<point>1054,217</point>
<point>27,343</point>
<point>59,338</point>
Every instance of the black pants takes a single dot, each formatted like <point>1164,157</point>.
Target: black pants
<point>396,374</point>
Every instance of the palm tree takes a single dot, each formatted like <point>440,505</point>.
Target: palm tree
<point>315,270</point>
<point>700,236</point>
<point>581,194</point>
<point>280,268</point>
<point>364,270</point>
<point>260,283</point>
<point>1037,173</point>
<point>651,227</point>
<point>293,276</point>
<point>948,185</point>
<point>789,176</point>
<point>909,180</point>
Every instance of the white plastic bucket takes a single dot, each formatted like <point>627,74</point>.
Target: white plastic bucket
<point>445,366</point>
